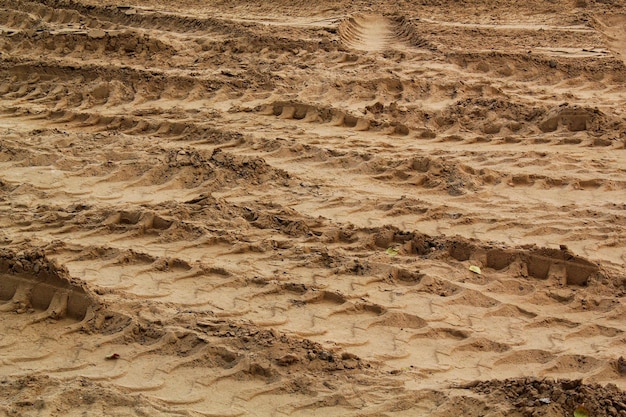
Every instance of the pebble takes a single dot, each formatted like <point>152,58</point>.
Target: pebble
<point>96,33</point>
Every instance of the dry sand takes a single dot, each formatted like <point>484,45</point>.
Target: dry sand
<point>271,208</point>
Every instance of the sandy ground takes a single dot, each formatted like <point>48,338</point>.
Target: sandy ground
<point>272,208</point>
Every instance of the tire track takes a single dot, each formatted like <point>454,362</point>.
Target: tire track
<point>278,213</point>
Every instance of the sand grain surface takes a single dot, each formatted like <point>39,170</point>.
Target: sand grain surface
<point>272,208</point>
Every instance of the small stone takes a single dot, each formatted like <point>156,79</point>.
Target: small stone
<point>96,33</point>
<point>325,356</point>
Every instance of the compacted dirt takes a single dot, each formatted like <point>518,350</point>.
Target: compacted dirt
<point>353,208</point>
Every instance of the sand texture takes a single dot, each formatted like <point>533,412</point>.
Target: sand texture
<point>271,208</point>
